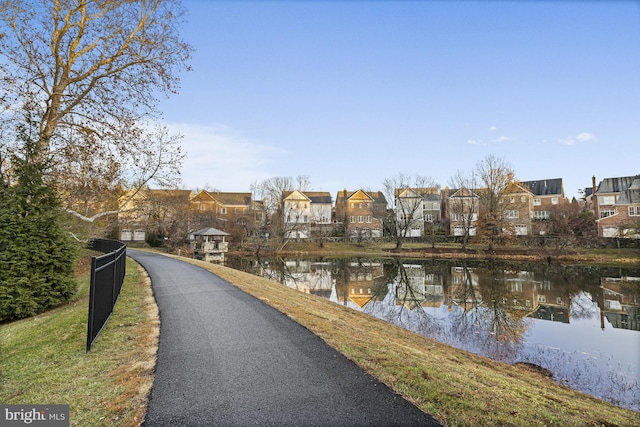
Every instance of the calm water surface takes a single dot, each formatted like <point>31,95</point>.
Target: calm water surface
<point>581,323</point>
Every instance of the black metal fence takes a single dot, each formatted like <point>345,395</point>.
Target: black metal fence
<point>107,276</point>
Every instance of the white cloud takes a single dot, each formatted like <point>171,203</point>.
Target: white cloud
<point>473,142</point>
<point>502,139</point>
<point>585,136</point>
<point>581,137</point>
<point>493,128</point>
<point>221,158</point>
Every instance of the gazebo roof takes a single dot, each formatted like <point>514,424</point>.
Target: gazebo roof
<point>210,231</point>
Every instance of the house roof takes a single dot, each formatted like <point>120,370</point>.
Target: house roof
<point>545,187</point>
<point>628,197</point>
<point>210,231</point>
<point>425,193</point>
<point>616,185</point>
<point>463,192</point>
<point>314,196</point>
<point>297,195</point>
<point>319,196</point>
<point>376,196</point>
<point>588,191</point>
<point>237,199</point>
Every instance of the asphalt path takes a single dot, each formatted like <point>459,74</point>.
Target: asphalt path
<point>226,358</point>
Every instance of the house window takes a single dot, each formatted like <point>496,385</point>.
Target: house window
<point>537,202</point>
<point>523,199</point>
<point>368,219</point>
<point>360,219</point>
<point>554,200</point>
<point>352,219</point>
<point>634,210</point>
<point>512,214</point>
<point>607,212</point>
<point>541,215</point>
<point>607,200</point>
<point>223,211</point>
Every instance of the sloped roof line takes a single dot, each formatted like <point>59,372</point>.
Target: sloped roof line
<point>210,231</point>
<point>287,194</point>
<point>628,197</point>
<point>314,196</point>
<point>616,184</point>
<point>376,196</point>
<point>545,187</point>
<point>240,199</point>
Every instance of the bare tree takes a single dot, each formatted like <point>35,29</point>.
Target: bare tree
<point>407,193</point>
<point>272,191</point>
<point>495,177</point>
<point>88,73</point>
<point>463,205</point>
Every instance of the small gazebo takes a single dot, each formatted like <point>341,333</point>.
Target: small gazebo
<point>209,244</point>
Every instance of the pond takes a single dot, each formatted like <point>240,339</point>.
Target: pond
<point>581,323</point>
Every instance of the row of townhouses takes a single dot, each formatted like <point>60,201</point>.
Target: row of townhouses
<point>525,208</point>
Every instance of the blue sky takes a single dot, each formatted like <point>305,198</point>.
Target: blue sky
<point>351,93</point>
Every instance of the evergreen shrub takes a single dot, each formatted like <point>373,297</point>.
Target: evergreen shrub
<point>37,257</point>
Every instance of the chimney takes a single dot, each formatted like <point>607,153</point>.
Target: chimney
<point>594,199</point>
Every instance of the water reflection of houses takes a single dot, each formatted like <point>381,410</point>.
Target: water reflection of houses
<point>358,282</point>
<point>308,276</point>
<point>538,297</point>
<point>416,287</point>
<point>620,302</point>
<point>522,293</point>
<point>463,288</point>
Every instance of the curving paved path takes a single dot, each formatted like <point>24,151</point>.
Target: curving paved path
<point>227,359</point>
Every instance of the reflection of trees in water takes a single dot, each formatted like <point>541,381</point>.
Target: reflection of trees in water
<point>397,300</point>
<point>506,320</point>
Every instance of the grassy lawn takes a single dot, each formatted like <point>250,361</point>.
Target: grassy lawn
<point>452,250</point>
<point>43,359</point>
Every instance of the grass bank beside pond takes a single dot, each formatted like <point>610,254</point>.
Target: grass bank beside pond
<point>43,358</point>
<point>474,251</point>
<point>456,387</point>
